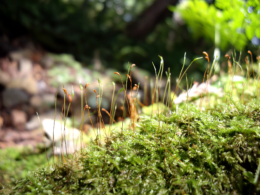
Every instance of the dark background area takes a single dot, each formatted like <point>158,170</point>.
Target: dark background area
<point>116,31</point>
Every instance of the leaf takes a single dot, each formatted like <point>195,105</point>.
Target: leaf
<point>257,174</point>
<point>171,8</point>
<point>250,32</point>
<point>257,33</point>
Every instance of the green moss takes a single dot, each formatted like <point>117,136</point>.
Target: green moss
<point>213,149</point>
<point>194,152</point>
<point>16,162</point>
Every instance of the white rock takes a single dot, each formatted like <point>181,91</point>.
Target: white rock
<point>4,78</point>
<point>25,66</point>
<point>196,90</point>
<point>34,122</point>
<point>56,130</point>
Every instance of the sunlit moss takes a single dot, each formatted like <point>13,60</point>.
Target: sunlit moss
<point>176,150</point>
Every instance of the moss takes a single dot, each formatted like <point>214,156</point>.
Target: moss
<point>212,153</point>
<point>16,162</point>
<point>182,150</point>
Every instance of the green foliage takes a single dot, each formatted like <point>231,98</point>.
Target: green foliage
<point>79,27</point>
<point>84,28</point>
<point>231,20</point>
<point>64,65</point>
<point>15,163</point>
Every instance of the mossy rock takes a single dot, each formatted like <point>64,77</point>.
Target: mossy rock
<point>192,152</point>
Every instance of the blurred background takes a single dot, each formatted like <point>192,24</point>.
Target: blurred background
<point>48,44</point>
<point>121,31</point>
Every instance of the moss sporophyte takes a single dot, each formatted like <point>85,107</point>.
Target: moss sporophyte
<point>205,144</point>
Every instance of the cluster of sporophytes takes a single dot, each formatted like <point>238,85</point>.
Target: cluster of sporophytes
<point>185,149</point>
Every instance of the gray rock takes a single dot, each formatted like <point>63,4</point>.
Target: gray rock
<point>48,99</point>
<point>47,61</point>
<point>140,75</point>
<point>20,54</point>
<point>13,97</point>
<point>68,87</point>
<point>92,102</point>
<point>42,103</point>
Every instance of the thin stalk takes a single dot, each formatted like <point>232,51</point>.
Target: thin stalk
<point>258,74</point>
<point>65,119</point>
<point>82,114</point>
<point>43,136</point>
<point>182,74</point>
<point>54,127</point>
<point>145,92</point>
<point>112,107</point>
<point>252,62</point>
<point>205,73</point>
<point>188,111</point>
<point>125,97</point>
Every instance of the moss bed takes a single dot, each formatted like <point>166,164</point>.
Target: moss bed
<point>189,152</point>
<point>197,147</point>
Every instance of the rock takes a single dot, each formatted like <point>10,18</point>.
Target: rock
<point>42,103</point>
<point>1,122</point>
<point>36,101</point>
<point>4,78</point>
<point>48,99</point>
<point>85,76</point>
<point>30,85</point>
<point>56,132</point>
<point>37,68</point>
<point>7,119</point>
<point>12,69</point>
<point>25,66</point>
<point>13,138</point>
<point>47,61</point>
<point>92,102</point>
<point>27,83</point>
<point>20,54</point>
<point>42,86</point>
<point>38,76</point>
<point>28,109</point>
<point>34,122</point>
<point>58,128</point>
<point>19,119</point>
<point>38,72</point>
<point>140,75</point>
<point>13,97</point>
<point>196,90</point>
<point>67,87</point>
<point>69,148</point>
<point>77,116</point>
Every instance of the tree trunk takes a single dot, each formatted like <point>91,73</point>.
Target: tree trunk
<point>149,18</point>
